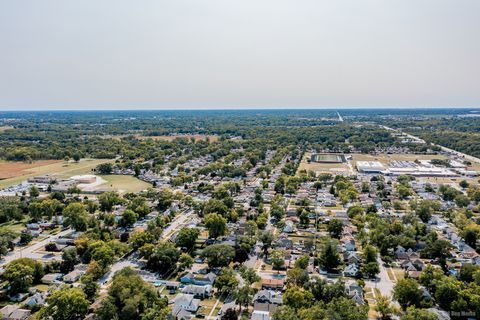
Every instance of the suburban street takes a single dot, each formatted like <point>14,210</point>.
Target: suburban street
<point>29,251</point>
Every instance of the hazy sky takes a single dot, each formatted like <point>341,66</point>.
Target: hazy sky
<point>243,53</point>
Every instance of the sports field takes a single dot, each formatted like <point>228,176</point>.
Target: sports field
<point>123,183</point>
<point>60,169</point>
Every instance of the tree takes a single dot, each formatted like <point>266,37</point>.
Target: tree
<point>66,304</point>
<point>384,308</point>
<point>462,200</point>
<point>76,157</point>
<point>109,199</point>
<point>218,255</point>
<point>464,184</point>
<point>75,215</point>
<point>185,261</point>
<point>329,258</point>
<point>266,237</point>
<point>69,260</point>
<point>407,293</point>
<point>164,257</point>
<point>297,276</point>
<point>129,217</point>
<point>447,291</point>
<point>244,297</point>
<point>90,287</point>
<point>302,262</point>
<point>216,225</point>
<point>22,273</point>
<point>186,238</point>
<point>226,281</point>
<point>249,275</point>
<point>335,228</point>
<point>370,269</point>
<point>25,237</point>
<point>418,314</point>
<point>104,168</point>
<point>369,254</point>
<point>354,211</point>
<point>230,314</point>
<point>297,298</point>
<point>34,192</point>
<point>104,255</point>
<point>277,257</point>
<point>129,297</point>
<point>140,238</point>
<point>19,276</point>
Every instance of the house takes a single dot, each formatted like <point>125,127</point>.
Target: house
<point>36,300</point>
<point>198,279</point>
<point>198,291</point>
<point>260,315</point>
<point>51,278</point>
<point>351,270</point>
<point>349,245</point>
<point>14,312</point>
<point>268,296</point>
<point>351,257</point>
<point>273,284</point>
<point>186,302</point>
<point>73,276</point>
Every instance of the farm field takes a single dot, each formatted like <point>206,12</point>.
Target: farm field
<point>10,169</point>
<point>123,183</point>
<point>60,169</point>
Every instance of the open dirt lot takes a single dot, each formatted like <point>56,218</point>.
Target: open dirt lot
<point>10,169</point>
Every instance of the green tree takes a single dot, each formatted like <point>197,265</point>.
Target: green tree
<point>335,228</point>
<point>216,225</point>
<point>249,275</point>
<point>109,199</point>
<point>297,298</point>
<point>329,258</point>
<point>266,238</point>
<point>418,314</point>
<point>34,192</point>
<point>129,217</point>
<point>384,308</point>
<point>66,304</point>
<point>186,238</point>
<point>277,257</point>
<point>185,261</point>
<point>226,281</point>
<point>218,255</point>
<point>164,257</point>
<point>407,293</point>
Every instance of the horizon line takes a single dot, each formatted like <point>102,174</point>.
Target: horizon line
<point>21,109</point>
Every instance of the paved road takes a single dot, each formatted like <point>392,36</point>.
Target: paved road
<point>179,221</point>
<point>383,284</point>
<point>455,152</point>
<point>29,251</point>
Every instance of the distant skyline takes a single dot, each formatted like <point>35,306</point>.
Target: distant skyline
<point>239,54</point>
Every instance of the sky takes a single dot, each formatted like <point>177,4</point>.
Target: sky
<point>145,54</point>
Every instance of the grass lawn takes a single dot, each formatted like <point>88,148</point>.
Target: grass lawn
<point>13,226</point>
<point>124,183</point>
<point>60,169</point>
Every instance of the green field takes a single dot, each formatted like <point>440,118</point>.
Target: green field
<point>62,170</point>
<point>123,183</point>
